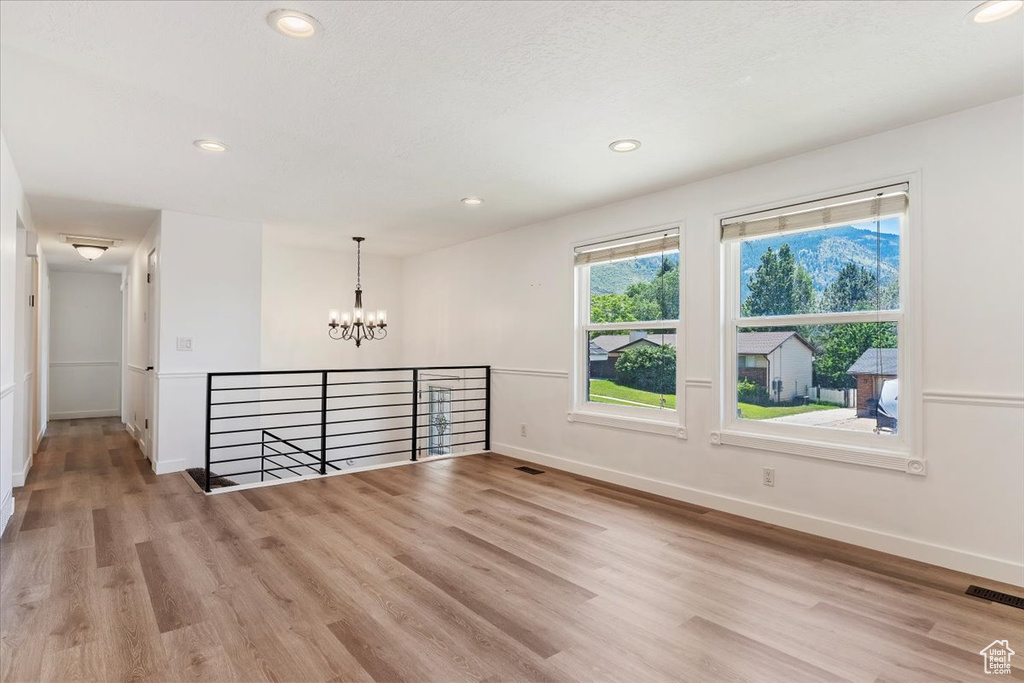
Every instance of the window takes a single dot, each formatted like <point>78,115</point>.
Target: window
<point>627,293</point>
<point>815,318</point>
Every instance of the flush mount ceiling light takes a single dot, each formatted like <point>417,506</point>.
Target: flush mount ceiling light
<point>472,201</point>
<point>89,252</point>
<point>90,248</point>
<point>994,10</point>
<point>624,145</point>
<point>293,24</point>
<point>210,145</point>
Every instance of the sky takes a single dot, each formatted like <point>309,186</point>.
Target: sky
<point>889,225</point>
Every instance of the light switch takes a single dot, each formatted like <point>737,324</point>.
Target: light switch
<point>184,343</point>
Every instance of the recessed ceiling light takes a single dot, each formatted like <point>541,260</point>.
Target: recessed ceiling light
<point>624,145</point>
<point>293,24</point>
<point>994,10</point>
<point>210,145</point>
<point>472,201</point>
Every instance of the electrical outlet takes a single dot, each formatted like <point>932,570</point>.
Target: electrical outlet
<point>184,343</point>
<point>522,429</point>
<point>768,476</point>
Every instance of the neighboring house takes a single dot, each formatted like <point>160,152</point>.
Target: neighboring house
<point>605,349</point>
<point>872,369</point>
<point>781,362</point>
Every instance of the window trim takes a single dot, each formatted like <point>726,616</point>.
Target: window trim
<point>670,422</point>
<point>901,452</point>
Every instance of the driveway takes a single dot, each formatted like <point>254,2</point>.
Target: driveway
<point>840,418</point>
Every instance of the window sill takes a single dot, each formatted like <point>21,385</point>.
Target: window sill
<point>637,424</point>
<point>871,457</point>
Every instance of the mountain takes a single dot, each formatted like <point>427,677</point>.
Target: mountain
<point>614,278</point>
<point>824,253</point>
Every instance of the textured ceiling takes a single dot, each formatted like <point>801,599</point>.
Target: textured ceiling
<point>380,124</point>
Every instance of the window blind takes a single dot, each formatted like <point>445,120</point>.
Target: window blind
<point>843,210</point>
<point>628,248</point>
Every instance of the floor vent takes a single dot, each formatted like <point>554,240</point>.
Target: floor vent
<point>530,470</point>
<point>996,596</point>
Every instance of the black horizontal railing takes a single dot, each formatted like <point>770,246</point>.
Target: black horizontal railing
<point>295,423</point>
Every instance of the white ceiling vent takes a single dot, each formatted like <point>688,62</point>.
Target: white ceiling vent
<point>89,241</point>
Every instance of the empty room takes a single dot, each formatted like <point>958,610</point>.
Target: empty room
<point>538,341</point>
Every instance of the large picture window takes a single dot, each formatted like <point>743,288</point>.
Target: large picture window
<point>627,293</point>
<point>815,319</point>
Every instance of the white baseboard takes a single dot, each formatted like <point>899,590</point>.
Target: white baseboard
<point>83,414</point>
<point>168,466</point>
<point>137,434</point>
<point>6,510</point>
<point>952,558</point>
<point>18,478</point>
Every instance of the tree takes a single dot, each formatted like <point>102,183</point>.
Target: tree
<point>648,367</point>
<point>854,289</point>
<point>611,308</point>
<point>779,286</point>
<point>843,345</point>
<point>661,295</point>
<point>804,300</point>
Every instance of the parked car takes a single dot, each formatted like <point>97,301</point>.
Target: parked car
<point>887,410</point>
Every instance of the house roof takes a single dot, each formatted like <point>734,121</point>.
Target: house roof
<point>763,343</point>
<point>618,342</point>
<point>597,351</point>
<point>875,362</point>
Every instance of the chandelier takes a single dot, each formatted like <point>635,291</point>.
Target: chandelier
<point>354,328</point>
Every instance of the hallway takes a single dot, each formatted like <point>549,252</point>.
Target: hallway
<point>462,569</point>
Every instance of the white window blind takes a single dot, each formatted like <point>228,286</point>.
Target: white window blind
<point>844,210</point>
<point>629,248</point>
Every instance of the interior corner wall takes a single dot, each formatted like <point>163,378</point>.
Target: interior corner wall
<point>506,300</point>
<point>137,381</point>
<point>13,443</point>
<point>301,285</point>
<point>43,364</point>
<point>85,354</point>
<point>209,278</point>
<point>24,356</point>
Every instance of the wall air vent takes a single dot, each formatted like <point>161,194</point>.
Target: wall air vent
<point>85,240</point>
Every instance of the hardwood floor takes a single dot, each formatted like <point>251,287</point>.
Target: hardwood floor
<point>455,570</point>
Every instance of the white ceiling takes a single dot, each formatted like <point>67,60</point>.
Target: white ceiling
<point>52,216</point>
<point>380,124</point>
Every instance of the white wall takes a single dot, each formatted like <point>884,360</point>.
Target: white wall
<point>43,341</point>
<point>85,344</point>
<point>506,300</point>
<point>301,285</point>
<point>209,283</point>
<point>13,441</point>
<point>26,349</point>
<point>136,383</point>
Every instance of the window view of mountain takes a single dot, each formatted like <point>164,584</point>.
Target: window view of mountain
<point>615,278</point>
<point>824,253</point>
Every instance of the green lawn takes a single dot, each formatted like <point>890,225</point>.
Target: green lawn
<point>607,391</point>
<point>749,411</point>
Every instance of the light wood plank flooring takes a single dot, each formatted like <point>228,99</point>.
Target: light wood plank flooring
<point>456,570</point>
